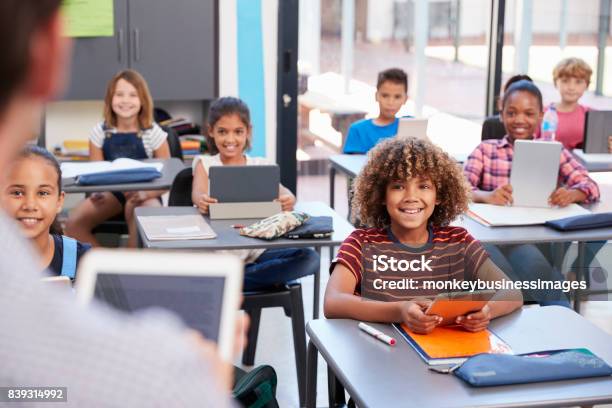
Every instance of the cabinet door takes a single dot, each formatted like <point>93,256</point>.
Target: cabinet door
<point>95,60</point>
<point>173,45</point>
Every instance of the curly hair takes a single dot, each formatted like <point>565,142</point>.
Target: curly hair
<point>401,158</point>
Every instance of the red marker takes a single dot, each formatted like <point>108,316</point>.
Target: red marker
<point>377,333</point>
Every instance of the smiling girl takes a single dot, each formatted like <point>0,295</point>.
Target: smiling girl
<point>127,131</point>
<point>33,196</point>
<point>488,171</point>
<point>407,194</point>
<point>229,138</point>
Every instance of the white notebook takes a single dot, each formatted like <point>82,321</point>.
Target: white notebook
<point>70,169</point>
<point>499,215</point>
<point>176,227</point>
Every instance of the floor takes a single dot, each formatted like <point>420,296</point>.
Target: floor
<point>275,337</point>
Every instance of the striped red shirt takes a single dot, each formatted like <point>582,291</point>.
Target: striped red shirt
<point>453,254</point>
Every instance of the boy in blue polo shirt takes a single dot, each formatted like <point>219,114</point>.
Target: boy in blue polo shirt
<point>391,94</point>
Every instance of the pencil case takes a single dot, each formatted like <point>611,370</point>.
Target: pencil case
<point>314,227</point>
<point>599,220</point>
<point>275,226</point>
<point>487,370</point>
<point>119,177</point>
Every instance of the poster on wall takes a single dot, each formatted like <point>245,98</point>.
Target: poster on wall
<point>88,18</point>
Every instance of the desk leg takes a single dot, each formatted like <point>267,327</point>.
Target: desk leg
<point>311,376</point>
<point>332,186</point>
<point>139,243</point>
<point>580,273</point>
<point>335,390</point>
<point>316,289</point>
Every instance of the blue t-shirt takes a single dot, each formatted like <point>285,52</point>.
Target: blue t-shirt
<point>363,135</point>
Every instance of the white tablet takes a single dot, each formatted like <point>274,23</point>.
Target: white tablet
<point>535,170</point>
<point>202,289</point>
<point>412,127</point>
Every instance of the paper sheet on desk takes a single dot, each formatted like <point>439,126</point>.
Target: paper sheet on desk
<point>176,227</point>
<point>77,169</point>
<point>498,216</point>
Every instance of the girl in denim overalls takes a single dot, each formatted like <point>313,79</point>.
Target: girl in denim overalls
<point>128,131</point>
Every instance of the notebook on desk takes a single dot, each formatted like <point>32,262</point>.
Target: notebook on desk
<point>452,344</point>
<point>176,227</point>
<point>78,169</point>
<point>504,216</point>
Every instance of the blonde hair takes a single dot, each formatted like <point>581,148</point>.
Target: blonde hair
<point>145,116</point>
<point>400,158</point>
<point>572,67</point>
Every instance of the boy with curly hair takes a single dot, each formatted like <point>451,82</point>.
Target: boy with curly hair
<point>407,195</point>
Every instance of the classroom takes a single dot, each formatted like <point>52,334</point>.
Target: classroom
<point>306,203</point>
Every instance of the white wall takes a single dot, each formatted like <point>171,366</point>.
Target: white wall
<point>270,40</point>
<point>71,120</point>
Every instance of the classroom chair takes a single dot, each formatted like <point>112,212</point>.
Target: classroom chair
<point>492,128</point>
<point>288,296</point>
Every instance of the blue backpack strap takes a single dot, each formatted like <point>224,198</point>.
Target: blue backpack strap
<point>69,262</point>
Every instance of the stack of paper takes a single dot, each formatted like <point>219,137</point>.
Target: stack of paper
<point>77,169</point>
<point>499,215</point>
<point>176,227</point>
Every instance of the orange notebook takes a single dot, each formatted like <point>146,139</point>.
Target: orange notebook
<point>452,344</point>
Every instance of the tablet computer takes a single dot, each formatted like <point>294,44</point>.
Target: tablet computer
<point>412,127</point>
<point>451,305</point>
<point>244,184</point>
<point>535,170</point>
<point>597,129</point>
<point>202,289</point>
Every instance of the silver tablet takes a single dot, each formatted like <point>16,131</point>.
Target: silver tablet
<point>202,289</point>
<point>412,127</point>
<point>535,170</point>
<point>597,130</point>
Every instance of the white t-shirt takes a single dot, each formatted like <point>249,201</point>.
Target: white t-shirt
<point>152,138</point>
<point>208,161</point>
<point>247,255</point>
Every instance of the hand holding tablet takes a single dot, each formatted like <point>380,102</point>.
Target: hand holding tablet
<point>450,306</point>
<point>202,289</point>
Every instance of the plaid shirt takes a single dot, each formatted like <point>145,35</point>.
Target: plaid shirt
<point>489,166</point>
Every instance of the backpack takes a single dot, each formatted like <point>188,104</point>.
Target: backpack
<point>256,388</point>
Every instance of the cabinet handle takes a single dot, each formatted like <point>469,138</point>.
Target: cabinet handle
<point>137,44</point>
<point>120,44</point>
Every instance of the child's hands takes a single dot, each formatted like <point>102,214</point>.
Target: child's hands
<point>136,197</point>
<point>500,196</point>
<point>609,144</point>
<point>204,202</point>
<point>413,316</point>
<point>475,321</point>
<point>287,202</point>
<point>564,197</point>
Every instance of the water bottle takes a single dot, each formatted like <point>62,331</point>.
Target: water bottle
<point>550,124</point>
